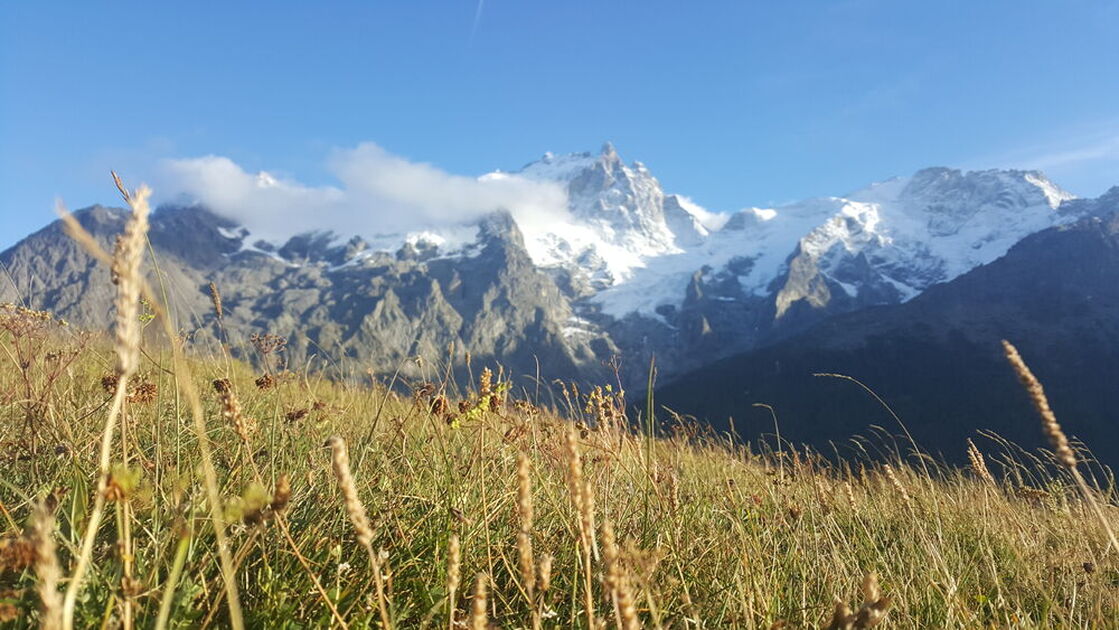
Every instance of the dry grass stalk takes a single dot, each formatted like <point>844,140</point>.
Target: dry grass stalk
<point>231,411</point>
<point>1049,424</point>
<point>454,576</point>
<point>842,618</point>
<point>185,384</point>
<point>874,607</point>
<point>674,492</point>
<point>1052,429</point>
<point>127,346</point>
<point>130,285</point>
<point>979,464</point>
<point>340,460</point>
<point>587,516</point>
<point>478,617</point>
<point>524,536</point>
<point>543,585</point>
<point>215,299</point>
<point>582,497</point>
<point>870,614</point>
<point>128,259</point>
<point>892,477</point>
<point>850,495</point>
<point>544,574</point>
<point>47,567</point>
<point>617,582</point>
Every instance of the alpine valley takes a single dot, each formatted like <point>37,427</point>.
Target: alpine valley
<point>898,278</point>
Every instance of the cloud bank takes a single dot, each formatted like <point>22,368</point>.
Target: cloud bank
<point>376,193</point>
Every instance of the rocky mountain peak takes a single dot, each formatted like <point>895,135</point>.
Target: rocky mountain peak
<point>939,188</point>
<point>500,224</point>
<point>99,220</point>
<point>608,153</point>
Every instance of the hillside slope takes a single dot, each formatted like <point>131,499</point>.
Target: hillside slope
<point>691,531</point>
<point>937,360</point>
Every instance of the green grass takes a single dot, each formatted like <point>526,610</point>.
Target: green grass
<point>712,533</point>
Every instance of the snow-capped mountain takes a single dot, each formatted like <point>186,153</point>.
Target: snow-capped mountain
<point>642,247</point>
<point>629,270</point>
<point>619,218</point>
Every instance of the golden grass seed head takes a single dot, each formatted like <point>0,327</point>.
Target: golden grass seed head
<point>616,579</point>
<point>454,564</point>
<point>479,619</point>
<point>979,464</point>
<point>524,492</point>
<point>574,468</point>
<point>526,563</point>
<point>340,461</point>
<point>849,494</point>
<point>525,514</point>
<point>610,554</point>
<point>892,477</point>
<point>127,260</point>
<point>873,613</point>
<point>842,618</point>
<point>588,512</point>
<point>874,607</point>
<point>231,411</point>
<point>544,573</point>
<point>580,489</point>
<point>1049,425</point>
<point>869,587</point>
<point>47,567</point>
<point>118,259</point>
<point>215,299</point>
<point>673,480</point>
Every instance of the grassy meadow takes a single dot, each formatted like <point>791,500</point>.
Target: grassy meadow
<point>151,484</point>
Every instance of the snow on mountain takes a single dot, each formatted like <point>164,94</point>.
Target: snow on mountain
<point>620,218</point>
<point>912,232</point>
<point>941,222</point>
<point>638,248</point>
<point>631,248</point>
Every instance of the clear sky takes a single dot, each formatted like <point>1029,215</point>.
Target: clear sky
<point>732,103</point>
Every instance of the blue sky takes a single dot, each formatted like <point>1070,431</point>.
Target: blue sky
<point>731,103</point>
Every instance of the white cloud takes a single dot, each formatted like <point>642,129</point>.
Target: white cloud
<point>713,221</point>
<point>377,193</point>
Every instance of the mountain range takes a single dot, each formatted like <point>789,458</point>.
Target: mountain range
<point>937,360</point>
<point>735,307</point>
